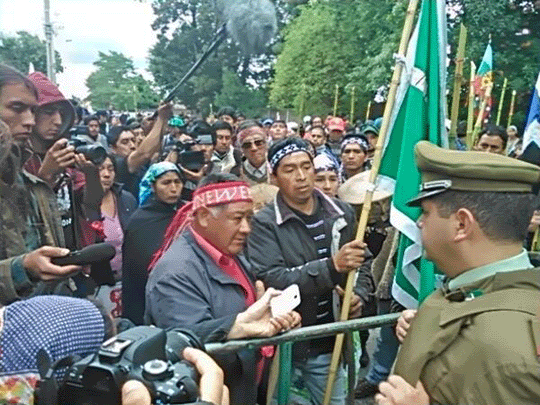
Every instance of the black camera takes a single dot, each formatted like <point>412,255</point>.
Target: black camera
<point>143,353</point>
<point>94,153</point>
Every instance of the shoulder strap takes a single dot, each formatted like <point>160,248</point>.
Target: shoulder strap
<point>513,299</point>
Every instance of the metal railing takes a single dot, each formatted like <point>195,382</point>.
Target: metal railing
<point>305,333</point>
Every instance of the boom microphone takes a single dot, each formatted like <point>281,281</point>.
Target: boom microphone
<point>88,255</point>
<point>251,23</point>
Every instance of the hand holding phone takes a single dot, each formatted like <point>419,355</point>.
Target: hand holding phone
<point>286,302</point>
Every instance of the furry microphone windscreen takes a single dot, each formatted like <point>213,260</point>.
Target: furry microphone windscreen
<point>251,23</point>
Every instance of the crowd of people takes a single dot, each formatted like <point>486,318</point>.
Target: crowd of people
<point>212,217</point>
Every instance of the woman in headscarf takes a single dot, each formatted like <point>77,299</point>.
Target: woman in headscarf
<point>159,196</point>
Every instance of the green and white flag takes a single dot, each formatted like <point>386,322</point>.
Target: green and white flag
<point>419,114</point>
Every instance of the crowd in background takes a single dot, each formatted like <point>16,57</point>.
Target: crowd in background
<point>70,179</point>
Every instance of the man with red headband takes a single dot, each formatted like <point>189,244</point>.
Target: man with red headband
<point>199,280</point>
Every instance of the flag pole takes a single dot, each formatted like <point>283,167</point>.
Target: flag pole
<point>352,104</point>
<point>470,115</point>
<point>336,100</point>
<point>368,112</point>
<point>394,84</point>
<point>480,117</point>
<point>512,105</point>
<point>458,78</point>
<point>501,101</point>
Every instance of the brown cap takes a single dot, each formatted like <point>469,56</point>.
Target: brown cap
<point>444,169</point>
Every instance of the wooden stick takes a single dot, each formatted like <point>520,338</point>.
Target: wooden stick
<point>501,101</point>
<point>535,242</point>
<point>352,104</point>
<point>512,105</point>
<point>368,112</point>
<point>480,117</point>
<point>396,76</point>
<point>458,78</point>
<point>336,100</point>
<point>470,115</point>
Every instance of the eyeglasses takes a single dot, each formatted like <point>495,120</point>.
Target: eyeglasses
<point>258,143</point>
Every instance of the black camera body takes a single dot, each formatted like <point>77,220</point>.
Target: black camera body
<point>142,353</point>
<point>94,153</point>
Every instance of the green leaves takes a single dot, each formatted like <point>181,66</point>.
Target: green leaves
<point>24,48</point>
<point>115,84</point>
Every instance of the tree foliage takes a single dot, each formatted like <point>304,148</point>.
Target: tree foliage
<point>185,28</point>
<point>338,42</point>
<point>352,42</point>
<point>233,93</point>
<point>514,27</point>
<point>115,84</point>
<point>24,48</point>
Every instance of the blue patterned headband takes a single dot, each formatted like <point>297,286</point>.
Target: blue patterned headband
<point>355,140</point>
<point>286,150</point>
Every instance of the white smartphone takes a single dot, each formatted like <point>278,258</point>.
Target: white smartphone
<point>286,302</point>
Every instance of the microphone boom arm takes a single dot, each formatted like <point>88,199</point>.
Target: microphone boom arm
<point>220,36</point>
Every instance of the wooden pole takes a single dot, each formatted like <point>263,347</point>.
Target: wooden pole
<point>352,104</point>
<point>336,98</point>
<point>394,84</point>
<point>501,101</point>
<point>458,78</point>
<point>470,115</point>
<point>512,105</point>
<point>480,117</point>
<point>368,112</point>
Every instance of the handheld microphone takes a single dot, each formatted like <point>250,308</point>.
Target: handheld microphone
<point>88,255</point>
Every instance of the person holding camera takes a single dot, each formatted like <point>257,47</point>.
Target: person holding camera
<point>73,177</point>
<point>131,160</point>
<point>200,280</point>
<point>30,227</point>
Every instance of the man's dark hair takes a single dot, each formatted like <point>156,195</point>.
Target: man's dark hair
<point>222,125</point>
<point>279,121</point>
<point>230,111</point>
<point>9,75</point>
<point>501,216</point>
<point>319,127</point>
<point>214,178</point>
<point>201,127</point>
<point>495,130</point>
<point>283,143</point>
<point>90,118</point>
<point>102,113</point>
<point>248,124</point>
<point>114,134</point>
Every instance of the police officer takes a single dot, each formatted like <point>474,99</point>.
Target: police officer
<point>476,340</point>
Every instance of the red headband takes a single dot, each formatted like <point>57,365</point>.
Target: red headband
<point>207,196</point>
<point>254,130</point>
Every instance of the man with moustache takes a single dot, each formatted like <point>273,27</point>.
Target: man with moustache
<point>305,237</point>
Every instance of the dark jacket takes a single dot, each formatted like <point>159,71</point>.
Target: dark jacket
<point>142,238</point>
<point>127,204</point>
<point>187,289</point>
<point>282,253</point>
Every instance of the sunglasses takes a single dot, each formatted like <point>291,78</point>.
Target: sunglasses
<point>258,143</point>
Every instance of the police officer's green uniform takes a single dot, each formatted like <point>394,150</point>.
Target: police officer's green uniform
<point>477,340</point>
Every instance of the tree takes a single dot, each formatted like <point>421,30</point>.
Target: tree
<point>514,27</point>
<point>185,28</point>
<point>115,84</point>
<point>233,93</point>
<point>24,48</point>
<point>336,42</point>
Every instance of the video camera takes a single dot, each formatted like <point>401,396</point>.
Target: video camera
<point>143,353</point>
<point>94,153</point>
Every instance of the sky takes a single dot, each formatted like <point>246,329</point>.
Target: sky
<point>83,28</point>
